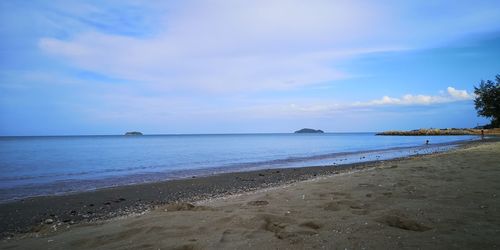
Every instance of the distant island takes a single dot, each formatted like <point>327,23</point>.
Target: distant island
<point>309,130</point>
<point>446,131</point>
<point>133,133</point>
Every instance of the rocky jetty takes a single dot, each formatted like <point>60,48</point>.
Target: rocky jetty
<point>447,131</point>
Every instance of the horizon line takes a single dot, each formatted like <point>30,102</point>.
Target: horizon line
<point>154,134</point>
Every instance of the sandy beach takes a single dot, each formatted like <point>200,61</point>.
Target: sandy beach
<point>441,201</point>
<point>187,125</point>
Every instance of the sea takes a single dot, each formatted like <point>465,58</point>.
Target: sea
<point>53,165</point>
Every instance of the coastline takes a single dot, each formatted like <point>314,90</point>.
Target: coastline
<point>443,201</point>
<point>29,215</point>
<point>73,186</point>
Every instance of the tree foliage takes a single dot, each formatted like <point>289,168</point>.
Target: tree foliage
<point>487,102</point>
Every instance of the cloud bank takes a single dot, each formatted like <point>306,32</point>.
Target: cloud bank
<point>452,95</point>
<point>326,108</point>
<point>254,45</point>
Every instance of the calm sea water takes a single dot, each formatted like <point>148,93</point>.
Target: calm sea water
<point>31,166</point>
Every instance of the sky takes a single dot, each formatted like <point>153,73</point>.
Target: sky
<point>261,66</point>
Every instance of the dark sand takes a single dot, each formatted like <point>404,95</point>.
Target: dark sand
<point>446,200</point>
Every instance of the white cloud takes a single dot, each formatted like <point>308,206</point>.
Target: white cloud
<point>256,45</point>
<point>459,94</point>
<point>452,95</point>
<point>406,100</point>
<point>327,107</point>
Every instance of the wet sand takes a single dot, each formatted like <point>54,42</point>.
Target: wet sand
<point>446,200</point>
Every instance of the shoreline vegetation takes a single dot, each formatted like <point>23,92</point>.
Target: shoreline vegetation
<point>401,203</point>
<point>447,131</point>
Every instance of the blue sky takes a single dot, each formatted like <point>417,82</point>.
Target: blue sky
<point>95,67</point>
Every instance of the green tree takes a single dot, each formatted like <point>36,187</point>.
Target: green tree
<point>487,102</point>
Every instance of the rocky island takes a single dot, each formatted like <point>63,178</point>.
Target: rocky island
<point>309,130</point>
<point>133,133</point>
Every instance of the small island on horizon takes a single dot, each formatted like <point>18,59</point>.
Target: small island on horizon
<point>308,130</point>
<point>133,133</point>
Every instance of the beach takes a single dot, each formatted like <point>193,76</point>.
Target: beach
<point>438,201</point>
<point>249,125</point>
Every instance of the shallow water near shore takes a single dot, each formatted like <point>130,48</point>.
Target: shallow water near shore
<point>33,166</point>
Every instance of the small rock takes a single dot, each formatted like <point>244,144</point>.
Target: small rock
<point>49,221</point>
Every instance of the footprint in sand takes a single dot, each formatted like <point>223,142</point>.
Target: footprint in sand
<point>285,228</point>
<point>340,193</point>
<point>230,235</point>
<point>332,206</point>
<point>311,225</point>
<point>257,203</point>
<point>402,222</point>
<point>353,206</point>
<point>402,183</point>
<point>186,247</point>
